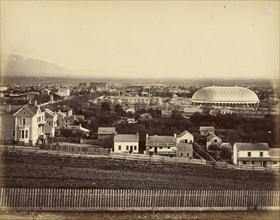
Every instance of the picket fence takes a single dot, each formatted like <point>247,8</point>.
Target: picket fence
<point>124,199</point>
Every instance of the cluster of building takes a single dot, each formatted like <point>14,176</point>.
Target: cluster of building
<point>181,145</point>
<point>30,124</point>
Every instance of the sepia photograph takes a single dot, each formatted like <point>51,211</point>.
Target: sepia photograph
<point>139,110</point>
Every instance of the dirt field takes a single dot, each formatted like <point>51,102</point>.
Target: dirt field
<point>63,172</point>
<point>244,215</point>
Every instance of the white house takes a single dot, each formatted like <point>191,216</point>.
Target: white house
<point>126,143</point>
<point>185,137</point>
<point>251,154</point>
<point>225,111</point>
<point>161,145</point>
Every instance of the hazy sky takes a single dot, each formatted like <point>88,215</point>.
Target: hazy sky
<point>178,39</point>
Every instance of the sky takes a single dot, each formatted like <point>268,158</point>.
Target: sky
<point>182,39</point>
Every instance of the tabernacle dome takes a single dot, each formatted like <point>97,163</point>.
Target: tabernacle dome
<point>232,96</point>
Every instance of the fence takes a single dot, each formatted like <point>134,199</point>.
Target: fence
<point>157,159</point>
<point>123,199</point>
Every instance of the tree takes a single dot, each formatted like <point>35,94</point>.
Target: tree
<point>105,107</point>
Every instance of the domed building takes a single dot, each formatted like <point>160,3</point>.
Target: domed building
<point>231,96</point>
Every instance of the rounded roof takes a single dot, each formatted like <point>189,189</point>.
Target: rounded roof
<point>214,94</point>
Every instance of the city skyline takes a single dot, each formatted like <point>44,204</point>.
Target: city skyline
<point>147,39</point>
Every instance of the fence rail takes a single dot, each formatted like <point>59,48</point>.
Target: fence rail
<point>123,199</point>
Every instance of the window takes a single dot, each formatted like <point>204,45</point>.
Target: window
<point>249,154</point>
<point>127,147</point>
<point>187,154</point>
<point>215,140</point>
<point>26,133</point>
<point>274,162</point>
<point>135,147</point>
<point>150,147</point>
<point>252,162</point>
<point>244,162</point>
<point>190,141</point>
<point>160,147</point>
<point>181,154</point>
<point>168,147</point>
<point>261,154</point>
<point>23,121</point>
<point>14,132</point>
<point>50,123</point>
<point>22,133</point>
<point>120,147</point>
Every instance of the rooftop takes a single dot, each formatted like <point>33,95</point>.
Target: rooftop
<point>107,130</point>
<point>252,146</point>
<point>161,140</point>
<point>126,138</point>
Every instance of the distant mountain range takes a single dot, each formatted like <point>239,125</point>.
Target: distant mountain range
<point>16,65</point>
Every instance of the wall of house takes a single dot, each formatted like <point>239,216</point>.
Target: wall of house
<point>254,153</point>
<point>125,147</point>
<point>184,152</point>
<point>214,141</point>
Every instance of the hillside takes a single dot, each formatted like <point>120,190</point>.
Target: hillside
<point>15,65</point>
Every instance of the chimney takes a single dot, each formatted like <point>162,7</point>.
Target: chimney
<point>147,136</point>
<point>175,135</point>
<point>35,102</point>
<point>9,108</point>
<point>137,133</point>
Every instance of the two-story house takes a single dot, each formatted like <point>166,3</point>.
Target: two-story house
<point>254,154</point>
<point>126,143</point>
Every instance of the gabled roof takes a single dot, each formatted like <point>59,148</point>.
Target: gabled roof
<point>31,109</point>
<point>184,133</point>
<point>161,140</point>
<point>49,112</point>
<point>107,130</point>
<point>252,146</point>
<point>211,136</point>
<point>126,138</point>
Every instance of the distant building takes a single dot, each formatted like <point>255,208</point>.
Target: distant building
<point>63,92</point>
<point>106,133</point>
<point>206,130</point>
<point>136,99</point>
<point>45,92</point>
<point>99,86</point>
<point>83,85</point>
<point>225,111</point>
<point>213,140</point>
<point>230,96</point>
<point>126,143</point>
<point>166,113</point>
<point>251,154</point>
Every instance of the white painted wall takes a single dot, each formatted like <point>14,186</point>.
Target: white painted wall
<point>124,147</point>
